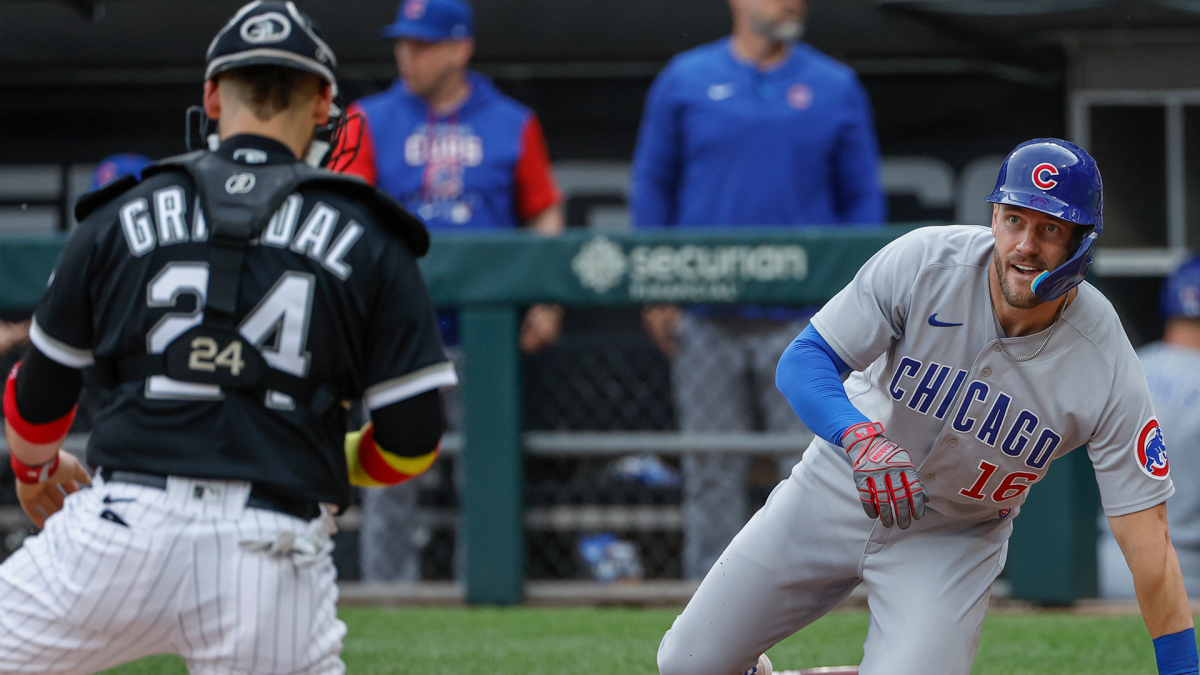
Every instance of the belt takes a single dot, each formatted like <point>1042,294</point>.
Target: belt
<point>305,509</point>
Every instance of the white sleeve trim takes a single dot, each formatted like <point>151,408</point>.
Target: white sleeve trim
<point>60,352</point>
<point>406,386</point>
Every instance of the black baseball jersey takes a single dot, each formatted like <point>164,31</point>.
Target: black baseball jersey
<point>325,294</point>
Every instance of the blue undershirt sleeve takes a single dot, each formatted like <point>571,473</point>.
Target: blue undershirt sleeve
<point>809,377</point>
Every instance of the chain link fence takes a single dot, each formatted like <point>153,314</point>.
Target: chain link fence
<point>592,516</point>
<point>603,495</point>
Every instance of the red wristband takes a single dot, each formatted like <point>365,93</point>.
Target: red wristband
<point>860,431</point>
<point>32,474</point>
<point>38,434</point>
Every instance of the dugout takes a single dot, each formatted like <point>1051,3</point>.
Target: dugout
<point>955,85</point>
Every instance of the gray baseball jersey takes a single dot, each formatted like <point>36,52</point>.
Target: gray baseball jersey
<point>1173,374</point>
<point>917,324</point>
<point>982,428</point>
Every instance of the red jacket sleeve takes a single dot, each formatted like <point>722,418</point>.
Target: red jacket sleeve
<point>355,150</point>
<point>535,185</point>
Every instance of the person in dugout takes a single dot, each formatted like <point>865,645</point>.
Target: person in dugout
<point>449,146</point>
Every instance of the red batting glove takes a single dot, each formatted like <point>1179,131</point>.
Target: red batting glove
<point>885,475</point>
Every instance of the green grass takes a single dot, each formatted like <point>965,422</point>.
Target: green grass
<point>624,641</point>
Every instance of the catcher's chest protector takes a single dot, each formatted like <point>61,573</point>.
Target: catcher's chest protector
<point>237,201</point>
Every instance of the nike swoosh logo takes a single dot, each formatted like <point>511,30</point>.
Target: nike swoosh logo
<point>115,500</point>
<point>940,324</point>
<point>719,92</point>
<point>112,517</point>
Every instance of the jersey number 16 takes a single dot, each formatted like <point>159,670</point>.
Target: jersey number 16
<point>1013,485</point>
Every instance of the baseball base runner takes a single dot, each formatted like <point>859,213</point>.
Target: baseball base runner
<point>976,356</point>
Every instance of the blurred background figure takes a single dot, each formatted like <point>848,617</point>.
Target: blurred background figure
<point>1172,369</point>
<point>757,129</point>
<point>463,156</point>
<point>14,335</point>
<point>114,166</point>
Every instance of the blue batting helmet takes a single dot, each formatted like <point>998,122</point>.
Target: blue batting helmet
<point>1059,179</point>
<point>1181,291</point>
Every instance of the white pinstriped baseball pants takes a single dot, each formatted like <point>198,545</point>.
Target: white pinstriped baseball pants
<point>88,593</point>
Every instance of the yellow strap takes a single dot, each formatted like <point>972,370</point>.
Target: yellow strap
<point>410,466</point>
<point>358,476</point>
<point>413,466</point>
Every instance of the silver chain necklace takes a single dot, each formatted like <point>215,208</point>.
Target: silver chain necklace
<point>996,322</point>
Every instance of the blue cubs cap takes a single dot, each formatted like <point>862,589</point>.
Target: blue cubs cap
<point>112,168</point>
<point>432,21</point>
<point>1181,291</point>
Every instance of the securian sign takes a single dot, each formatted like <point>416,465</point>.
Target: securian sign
<point>687,273</point>
<point>600,264</point>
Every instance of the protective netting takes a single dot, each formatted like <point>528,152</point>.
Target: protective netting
<point>603,374</point>
<point>611,516</point>
<point>614,515</point>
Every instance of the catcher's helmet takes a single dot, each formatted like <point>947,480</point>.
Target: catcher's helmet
<point>1059,179</point>
<point>271,33</point>
<point>1181,291</point>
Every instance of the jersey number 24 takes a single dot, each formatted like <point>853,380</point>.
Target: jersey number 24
<point>284,313</point>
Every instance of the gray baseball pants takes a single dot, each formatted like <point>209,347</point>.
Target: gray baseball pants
<point>723,376</point>
<point>803,553</point>
<point>387,543</point>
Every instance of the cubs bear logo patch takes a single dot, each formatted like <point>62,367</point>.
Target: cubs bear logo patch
<point>1152,451</point>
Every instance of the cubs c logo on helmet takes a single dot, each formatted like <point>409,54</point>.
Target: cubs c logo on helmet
<point>1152,451</point>
<point>1041,174</point>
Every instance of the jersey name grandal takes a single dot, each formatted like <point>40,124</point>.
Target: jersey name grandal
<point>167,224</point>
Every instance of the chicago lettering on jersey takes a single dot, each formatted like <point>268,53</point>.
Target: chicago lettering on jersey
<point>919,386</point>
<point>451,143</point>
<point>164,223</point>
